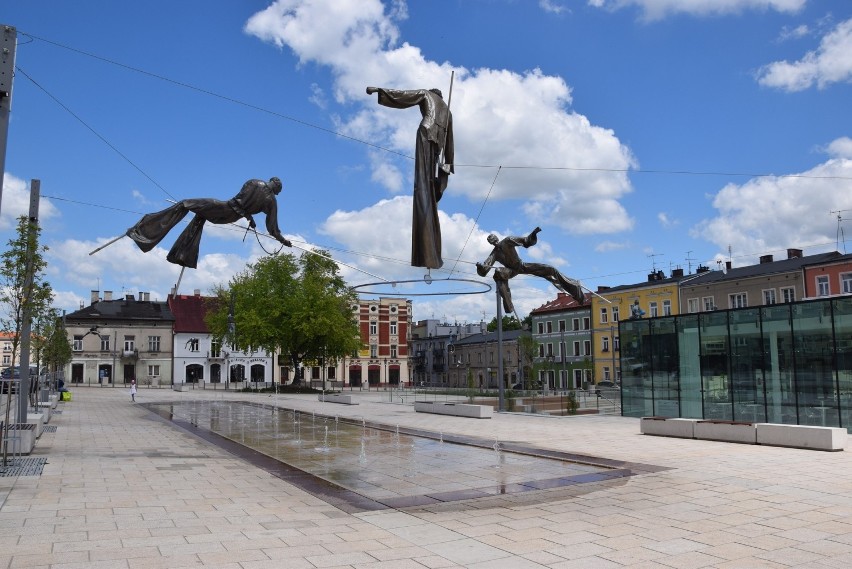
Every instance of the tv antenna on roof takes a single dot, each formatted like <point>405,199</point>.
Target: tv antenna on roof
<point>840,236</point>
<point>653,262</point>
<point>689,260</point>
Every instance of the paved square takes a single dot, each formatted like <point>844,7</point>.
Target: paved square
<point>123,488</point>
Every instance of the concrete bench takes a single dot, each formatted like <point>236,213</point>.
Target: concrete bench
<point>21,437</point>
<point>727,431</point>
<point>668,427</point>
<point>802,436</point>
<point>180,387</point>
<point>455,409</point>
<point>38,420</point>
<point>337,398</point>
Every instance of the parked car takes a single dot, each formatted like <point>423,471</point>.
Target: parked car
<point>15,372</point>
<point>6,382</point>
<point>608,384</point>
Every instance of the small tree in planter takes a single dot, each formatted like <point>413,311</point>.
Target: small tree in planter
<point>571,403</point>
<point>471,392</point>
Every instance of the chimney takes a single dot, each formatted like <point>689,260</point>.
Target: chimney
<point>146,296</point>
<point>107,295</point>
<point>765,259</point>
<point>129,296</point>
<point>95,296</point>
<point>727,265</point>
<point>794,253</point>
<point>677,273</point>
<point>652,277</point>
<point>603,288</point>
<point>702,269</point>
<point>197,292</point>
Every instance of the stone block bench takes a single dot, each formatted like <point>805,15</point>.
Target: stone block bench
<point>668,427</point>
<point>726,431</point>
<point>21,438</point>
<point>455,409</point>
<point>38,420</point>
<point>802,436</point>
<point>338,398</point>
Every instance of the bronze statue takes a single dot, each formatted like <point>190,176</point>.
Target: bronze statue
<point>505,253</point>
<point>256,196</point>
<point>433,164</point>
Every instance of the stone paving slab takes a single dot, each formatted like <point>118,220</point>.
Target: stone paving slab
<point>122,488</point>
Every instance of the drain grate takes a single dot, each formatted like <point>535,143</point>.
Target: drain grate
<point>49,429</point>
<point>23,466</point>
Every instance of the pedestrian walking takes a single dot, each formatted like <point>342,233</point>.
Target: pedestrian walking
<point>133,391</point>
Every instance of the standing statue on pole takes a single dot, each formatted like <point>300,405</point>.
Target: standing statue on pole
<point>256,196</point>
<point>433,164</point>
<point>505,253</point>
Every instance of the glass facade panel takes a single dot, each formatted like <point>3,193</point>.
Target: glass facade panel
<point>715,365</point>
<point>664,364</point>
<point>778,364</point>
<point>842,312</point>
<point>747,384</point>
<point>636,391</point>
<point>814,365</point>
<point>689,368</point>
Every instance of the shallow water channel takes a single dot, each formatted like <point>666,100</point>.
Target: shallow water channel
<point>381,463</point>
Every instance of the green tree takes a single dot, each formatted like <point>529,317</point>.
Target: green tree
<point>299,307</point>
<point>17,292</point>
<point>510,322</point>
<point>527,351</point>
<point>52,342</point>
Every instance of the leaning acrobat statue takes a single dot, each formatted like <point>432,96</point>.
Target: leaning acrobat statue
<point>505,253</point>
<point>256,196</point>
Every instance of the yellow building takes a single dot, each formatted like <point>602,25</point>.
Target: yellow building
<point>658,296</point>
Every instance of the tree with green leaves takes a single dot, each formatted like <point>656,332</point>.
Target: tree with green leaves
<point>17,292</point>
<point>510,322</point>
<point>527,351</point>
<point>298,307</point>
<point>51,342</point>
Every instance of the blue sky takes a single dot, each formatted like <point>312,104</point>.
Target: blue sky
<point>639,134</point>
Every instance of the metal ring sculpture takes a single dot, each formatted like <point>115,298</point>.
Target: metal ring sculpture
<point>359,288</point>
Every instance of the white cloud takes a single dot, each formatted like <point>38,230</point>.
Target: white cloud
<point>605,246</point>
<point>657,9</point>
<point>666,221</point>
<point>552,6</point>
<point>500,117</point>
<point>16,202</point>
<point>840,148</point>
<point>830,63</point>
<point>775,213</point>
<point>794,33</point>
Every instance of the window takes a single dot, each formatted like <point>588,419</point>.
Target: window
<point>7,347</point>
<point>576,348</point>
<point>215,349</point>
<point>652,309</point>
<point>393,351</point>
<point>606,373</point>
<point>393,328</point>
<point>737,300</point>
<point>549,327</point>
<point>374,328</point>
<point>605,344</point>
<point>616,345</point>
<point>7,360</point>
<point>153,343</point>
<point>846,283</point>
<point>822,285</point>
<point>541,350</point>
<point>575,324</point>
<point>562,351</point>
<point>78,344</point>
<point>603,316</point>
<point>191,344</point>
<point>561,325</point>
<point>769,296</point>
<point>587,348</point>
<point>549,350</point>
<point>105,343</point>
<point>709,304</point>
<point>374,351</point>
<point>154,371</point>
<point>667,308</point>
<point>540,327</point>
<point>788,294</point>
<point>129,343</point>
<point>692,305</point>
<point>615,314</point>
<point>587,323</point>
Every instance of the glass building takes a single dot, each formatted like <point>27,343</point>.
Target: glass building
<point>781,363</point>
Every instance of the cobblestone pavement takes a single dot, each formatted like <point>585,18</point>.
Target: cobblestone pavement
<point>124,488</point>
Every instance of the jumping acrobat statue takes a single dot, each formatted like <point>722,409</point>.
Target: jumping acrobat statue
<point>505,253</point>
<point>433,164</point>
<point>256,196</point>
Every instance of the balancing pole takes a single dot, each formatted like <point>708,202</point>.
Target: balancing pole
<point>107,244</point>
